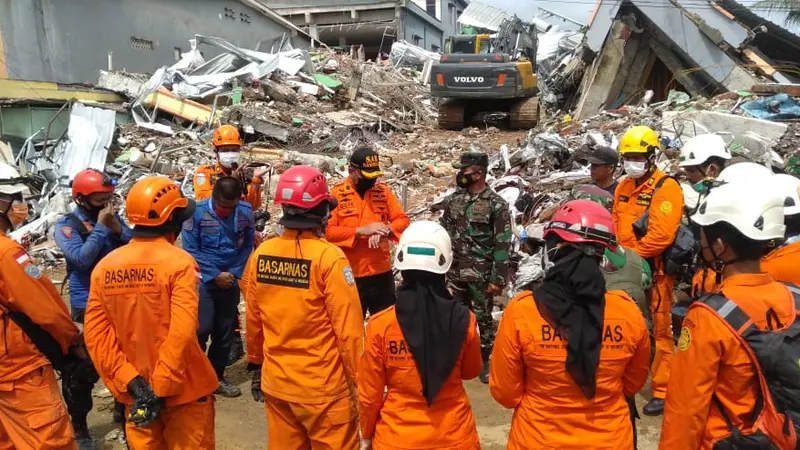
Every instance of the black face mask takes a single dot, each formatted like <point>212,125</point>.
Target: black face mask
<point>92,211</point>
<point>365,184</point>
<point>464,180</point>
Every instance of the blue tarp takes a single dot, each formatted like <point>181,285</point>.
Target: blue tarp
<point>777,107</point>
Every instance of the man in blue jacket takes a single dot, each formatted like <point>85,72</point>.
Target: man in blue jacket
<point>220,237</point>
<point>85,236</point>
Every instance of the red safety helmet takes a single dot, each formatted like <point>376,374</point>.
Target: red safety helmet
<point>303,187</point>
<point>583,222</point>
<point>91,181</point>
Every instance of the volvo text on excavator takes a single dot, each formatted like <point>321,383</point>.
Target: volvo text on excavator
<point>480,74</point>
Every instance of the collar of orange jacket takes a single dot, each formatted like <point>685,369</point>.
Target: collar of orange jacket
<point>149,239</point>
<point>651,181</point>
<point>747,280</point>
<point>289,233</point>
<point>218,169</point>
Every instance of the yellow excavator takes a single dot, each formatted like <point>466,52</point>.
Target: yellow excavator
<point>488,74</point>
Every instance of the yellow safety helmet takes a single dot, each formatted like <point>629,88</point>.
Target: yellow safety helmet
<point>638,139</point>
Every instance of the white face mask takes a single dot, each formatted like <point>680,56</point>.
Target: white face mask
<point>635,168</point>
<point>228,159</point>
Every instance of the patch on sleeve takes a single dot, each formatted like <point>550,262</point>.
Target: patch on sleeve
<point>33,271</point>
<point>200,179</point>
<point>67,231</point>
<point>22,258</point>
<point>685,340</point>
<point>665,207</point>
<point>348,276</point>
<point>188,224</point>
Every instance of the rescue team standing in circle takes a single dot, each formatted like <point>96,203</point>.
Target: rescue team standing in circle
<point>570,352</point>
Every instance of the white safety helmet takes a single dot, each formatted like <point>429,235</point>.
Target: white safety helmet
<point>788,187</point>
<point>755,210</point>
<point>425,245</point>
<point>8,172</point>
<point>699,149</point>
<point>747,172</point>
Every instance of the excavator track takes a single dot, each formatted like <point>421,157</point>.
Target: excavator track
<point>525,114</point>
<point>451,115</point>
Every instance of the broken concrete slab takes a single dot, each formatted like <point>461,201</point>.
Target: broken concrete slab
<point>304,88</point>
<point>279,92</point>
<point>272,129</point>
<point>120,82</point>
<point>712,121</point>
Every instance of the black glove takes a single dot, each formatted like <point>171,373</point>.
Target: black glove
<point>146,406</point>
<point>255,385</point>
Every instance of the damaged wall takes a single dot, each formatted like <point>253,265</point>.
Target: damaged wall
<point>421,29</point>
<point>69,41</point>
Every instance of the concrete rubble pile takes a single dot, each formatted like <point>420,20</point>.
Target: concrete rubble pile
<point>294,107</point>
<point>539,172</point>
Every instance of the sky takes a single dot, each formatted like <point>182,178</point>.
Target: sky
<point>580,10</point>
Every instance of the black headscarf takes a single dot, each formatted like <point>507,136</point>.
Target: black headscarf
<point>434,325</point>
<point>572,298</point>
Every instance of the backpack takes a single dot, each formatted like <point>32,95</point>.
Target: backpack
<point>680,253</point>
<point>775,354</point>
<point>84,233</point>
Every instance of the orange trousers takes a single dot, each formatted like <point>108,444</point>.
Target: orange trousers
<point>33,415</point>
<point>183,427</point>
<point>661,307</point>
<point>303,426</point>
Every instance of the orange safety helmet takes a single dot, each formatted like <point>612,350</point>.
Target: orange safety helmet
<point>152,201</point>
<point>226,135</point>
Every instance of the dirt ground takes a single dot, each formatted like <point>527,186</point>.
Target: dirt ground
<point>241,422</point>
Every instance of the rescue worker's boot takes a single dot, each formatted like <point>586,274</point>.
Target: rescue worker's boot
<point>484,376</point>
<point>226,389</point>
<point>654,407</point>
<point>82,436</point>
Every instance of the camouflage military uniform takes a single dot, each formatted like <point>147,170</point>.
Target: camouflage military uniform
<point>480,228</point>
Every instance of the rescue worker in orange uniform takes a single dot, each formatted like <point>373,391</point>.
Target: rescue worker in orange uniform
<point>634,196</point>
<point>702,159</point>
<point>420,350</point>
<point>706,280</point>
<point>227,145</point>
<point>782,263</point>
<point>304,323</point>
<point>568,353</point>
<point>713,376</point>
<point>141,326</point>
<point>367,218</point>
<point>32,412</point>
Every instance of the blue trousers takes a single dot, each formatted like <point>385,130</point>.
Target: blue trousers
<point>217,318</point>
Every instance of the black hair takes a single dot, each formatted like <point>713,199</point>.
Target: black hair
<point>227,188</point>
<point>715,160</point>
<point>792,225</point>
<point>744,247</point>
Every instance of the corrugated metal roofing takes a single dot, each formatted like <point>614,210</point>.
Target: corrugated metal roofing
<point>482,15</point>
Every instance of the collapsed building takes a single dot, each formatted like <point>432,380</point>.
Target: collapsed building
<point>702,49</point>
